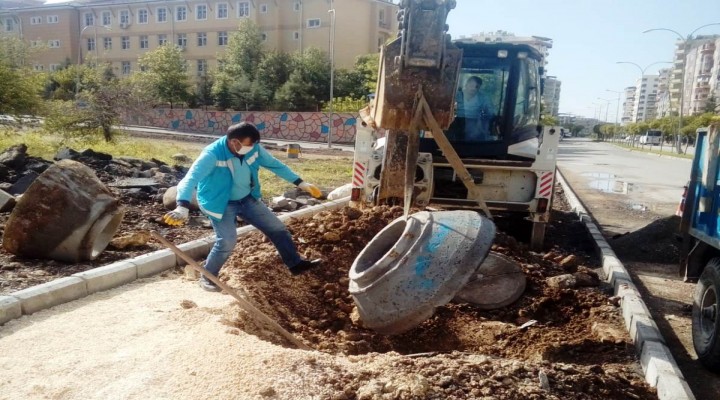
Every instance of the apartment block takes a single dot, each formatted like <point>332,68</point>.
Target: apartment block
<point>662,104</point>
<point>551,96</point>
<point>542,44</point>
<point>644,107</point>
<point>120,31</point>
<point>628,106</point>
<point>695,62</point>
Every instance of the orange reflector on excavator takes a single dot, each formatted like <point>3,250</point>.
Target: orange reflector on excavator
<point>542,204</point>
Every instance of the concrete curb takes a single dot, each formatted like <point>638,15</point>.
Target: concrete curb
<point>63,290</point>
<point>661,370</point>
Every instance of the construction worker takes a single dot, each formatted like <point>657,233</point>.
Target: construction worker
<point>226,177</point>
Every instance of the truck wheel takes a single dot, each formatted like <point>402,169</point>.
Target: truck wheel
<point>537,236</point>
<point>705,321</point>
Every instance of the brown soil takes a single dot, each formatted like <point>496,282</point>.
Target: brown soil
<point>317,307</point>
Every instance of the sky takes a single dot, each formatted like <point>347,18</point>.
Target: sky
<point>589,37</point>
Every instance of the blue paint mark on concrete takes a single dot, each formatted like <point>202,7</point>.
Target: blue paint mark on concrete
<point>284,117</point>
<point>260,126</point>
<point>188,114</point>
<point>236,118</point>
<point>211,124</point>
<point>350,121</point>
<point>423,262</point>
<point>324,129</point>
<point>175,123</point>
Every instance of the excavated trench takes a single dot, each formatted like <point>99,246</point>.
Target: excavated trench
<point>546,324</point>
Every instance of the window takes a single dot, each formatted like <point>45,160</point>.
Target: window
<point>106,18</point>
<point>296,5</point>
<point>53,44</point>
<point>243,8</point>
<point>126,67</point>
<point>124,17</point>
<point>222,11</point>
<point>201,12</point>
<point>35,20</point>
<point>313,23</point>
<point>39,67</point>
<point>52,19</point>
<point>201,67</point>
<point>144,43</point>
<point>296,35</point>
<point>35,43</point>
<point>91,44</point>
<point>263,8</point>
<point>89,19</point>
<point>125,42</point>
<point>201,39</point>
<point>181,13</point>
<point>222,38</point>
<point>107,43</point>
<point>161,14</point>
<point>142,16</point>
<point>55,67</point>
<point>263,36</point>
<point>9,25</point>
<point>182,40</point>
<point>162,39</point>
<point>381,17</point>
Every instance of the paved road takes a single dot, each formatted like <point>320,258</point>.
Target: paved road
<point>641,181</point>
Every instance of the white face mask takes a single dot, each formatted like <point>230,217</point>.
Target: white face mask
<point>242,150</point>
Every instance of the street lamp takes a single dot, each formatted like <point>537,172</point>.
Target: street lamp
<point>617,110</point>
<point>682,72</point>
<point>77,78</point>
<point>607,107</point>
<point>332,74</point>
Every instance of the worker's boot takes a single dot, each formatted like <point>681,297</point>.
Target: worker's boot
<point>208,285</point>
<point>304,265</point>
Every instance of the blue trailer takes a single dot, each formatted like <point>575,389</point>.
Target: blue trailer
<point>700,257</point>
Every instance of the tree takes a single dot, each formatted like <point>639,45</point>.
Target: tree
<point>313,66</point>
<point>103,101</point>
<point>244,51</point>
<point>350,83</point>
<point>295,94</point>
<point>164,72</point>
<point>20,88</point>
<point>367,66</point>
<point>272,72</point>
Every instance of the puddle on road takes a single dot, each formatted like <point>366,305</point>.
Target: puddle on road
<point>608,183</point>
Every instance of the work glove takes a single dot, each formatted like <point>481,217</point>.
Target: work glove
<point>312,189</point>
<point>177,216</point>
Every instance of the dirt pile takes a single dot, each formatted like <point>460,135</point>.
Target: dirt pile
<point>574,335</point>
<point>655,243</point>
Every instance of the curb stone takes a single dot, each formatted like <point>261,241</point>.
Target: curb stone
<point>63,290</point>
<point>658,365</point>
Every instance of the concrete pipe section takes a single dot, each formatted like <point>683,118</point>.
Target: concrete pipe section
<point>413,266</point>
<point>498,282</point>
<point>67,214</point>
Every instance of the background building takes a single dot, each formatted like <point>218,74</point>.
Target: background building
<point>646,91</point>
<point>662,100</point>
<point>551,96</point>
<point>700,60</point>
<point>628,106</point>
<point>119,31</point>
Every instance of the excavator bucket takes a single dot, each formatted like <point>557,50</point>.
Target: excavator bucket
<point>422,62</point>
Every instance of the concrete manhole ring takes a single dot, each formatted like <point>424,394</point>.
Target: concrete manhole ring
<point>498,282</point>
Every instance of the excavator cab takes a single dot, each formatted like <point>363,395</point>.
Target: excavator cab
<point>497,102</point>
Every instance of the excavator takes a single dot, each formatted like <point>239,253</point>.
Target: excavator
<point>455,124</point>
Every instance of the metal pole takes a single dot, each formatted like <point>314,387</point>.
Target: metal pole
<point>332,74</point>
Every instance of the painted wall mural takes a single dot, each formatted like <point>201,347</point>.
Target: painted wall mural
<point>295,126</point>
